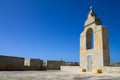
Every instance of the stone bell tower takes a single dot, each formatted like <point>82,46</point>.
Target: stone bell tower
<point>94,46</point>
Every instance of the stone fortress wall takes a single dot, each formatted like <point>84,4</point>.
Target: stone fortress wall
<point>11,63</point>
<point>54,65</point>
<point>70,68</point>
<point>19,63</point>
<point>106,69</point>
<point>111,70</point>
<point>34,64</point>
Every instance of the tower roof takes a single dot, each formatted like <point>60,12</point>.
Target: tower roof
<point>92,18</point>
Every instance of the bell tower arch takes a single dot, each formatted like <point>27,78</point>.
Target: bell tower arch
<point>94,51</point>
<point>89,39</point>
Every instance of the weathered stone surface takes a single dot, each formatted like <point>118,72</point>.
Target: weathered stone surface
<point>34,64</point>
<point>54,65</point>
<point>11,63</point>
<point>70,68</point>
<point>112,70</point>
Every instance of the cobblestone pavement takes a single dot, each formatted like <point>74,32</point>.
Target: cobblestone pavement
<point>54,75</point>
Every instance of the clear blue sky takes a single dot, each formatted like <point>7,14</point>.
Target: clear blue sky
<point>50,29</point>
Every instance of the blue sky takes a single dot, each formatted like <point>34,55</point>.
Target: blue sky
<point>50,29</point>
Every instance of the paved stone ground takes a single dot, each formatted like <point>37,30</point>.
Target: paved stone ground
<point>54,75</point>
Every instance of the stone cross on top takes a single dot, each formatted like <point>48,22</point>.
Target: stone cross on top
<point>92,11</point>
<point>91,8</point>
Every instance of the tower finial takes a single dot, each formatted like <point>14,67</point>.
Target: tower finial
<point>92,18</point>
<point>92,11</point>
<point>91,7</point>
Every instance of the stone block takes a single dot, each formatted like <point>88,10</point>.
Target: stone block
<point>83,70</point>
<point>97,71</point>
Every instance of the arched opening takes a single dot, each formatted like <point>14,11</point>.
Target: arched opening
<point>89,39</point>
